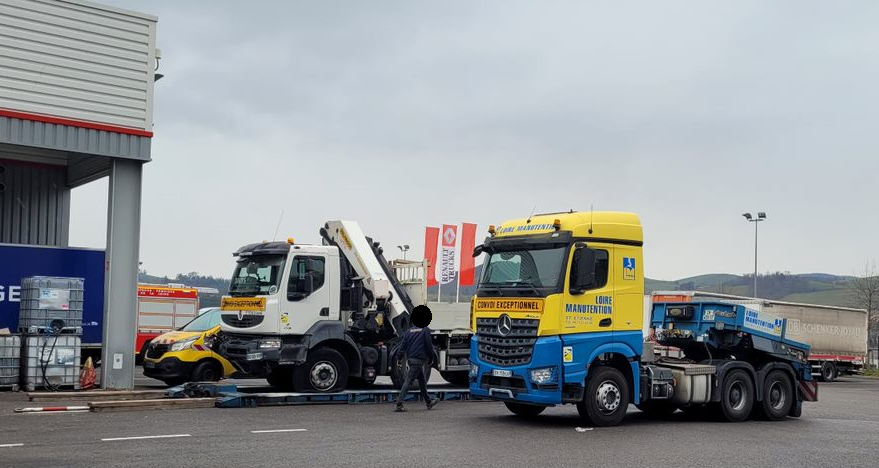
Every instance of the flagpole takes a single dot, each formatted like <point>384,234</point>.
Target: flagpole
<point>439,290</point>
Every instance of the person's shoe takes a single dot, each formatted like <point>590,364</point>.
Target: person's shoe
<point>399,409</point>
<point>432,403</point>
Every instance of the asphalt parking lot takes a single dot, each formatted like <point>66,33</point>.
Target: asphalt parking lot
<point>840,430</point>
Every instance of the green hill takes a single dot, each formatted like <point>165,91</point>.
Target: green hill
<point>813,288</point>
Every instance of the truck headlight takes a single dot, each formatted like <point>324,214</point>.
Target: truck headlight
<point>269,344</point>
<point>474,370</point>
<point>181,345</point>
<point>545,375</point>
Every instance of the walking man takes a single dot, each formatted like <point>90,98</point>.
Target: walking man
<point>419,354</point>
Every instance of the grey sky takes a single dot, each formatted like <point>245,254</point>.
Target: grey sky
<point>406,114</point>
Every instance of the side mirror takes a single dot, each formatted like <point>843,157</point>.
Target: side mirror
<point>478,250</point>
<point>582,270</point>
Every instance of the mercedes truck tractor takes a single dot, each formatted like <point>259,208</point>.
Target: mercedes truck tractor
<point>558,316</point>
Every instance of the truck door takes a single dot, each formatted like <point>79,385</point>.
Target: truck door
<point>307,294</point>
<point>592,310</point>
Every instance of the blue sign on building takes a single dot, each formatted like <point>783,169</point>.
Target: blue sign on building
<point>17,262</point>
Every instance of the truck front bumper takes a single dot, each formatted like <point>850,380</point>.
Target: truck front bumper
<point>245,353</point>
<point>514,383</point>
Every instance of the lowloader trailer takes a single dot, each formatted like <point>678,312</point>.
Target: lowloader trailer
<point>558,320</point>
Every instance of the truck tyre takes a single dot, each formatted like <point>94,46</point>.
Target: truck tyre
<point>523,410</point>
<point>778,396</point>
<point>281,377</point>
<point>207,371</point>
<point>324,371</point>
<point>737,396</point>
<point>606,398</point>
<point>828,371</point>
<point>360,382</point>
<point>459,378</point>
<point>657,408</point>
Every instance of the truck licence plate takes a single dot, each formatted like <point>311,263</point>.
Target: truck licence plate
<point>501,373</point>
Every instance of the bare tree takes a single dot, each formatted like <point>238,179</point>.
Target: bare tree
<point>866,294</point>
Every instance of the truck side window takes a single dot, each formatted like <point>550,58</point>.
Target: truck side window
<point>306,277</point>
<point>601,266</point>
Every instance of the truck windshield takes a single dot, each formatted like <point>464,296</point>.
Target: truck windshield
<point>257,275</point>
<point>536,268</point>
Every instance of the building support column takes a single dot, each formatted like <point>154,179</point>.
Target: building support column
<point>122,262</point>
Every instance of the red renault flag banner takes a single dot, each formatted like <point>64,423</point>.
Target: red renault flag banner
<point>431,245</point>
<point>448,262</point>
<point>468,263</point>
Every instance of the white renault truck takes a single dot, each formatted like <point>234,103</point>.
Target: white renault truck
<point>318,318</point>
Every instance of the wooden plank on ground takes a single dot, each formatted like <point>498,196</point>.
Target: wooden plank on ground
<point>164,403</point>
<point>97,395</point>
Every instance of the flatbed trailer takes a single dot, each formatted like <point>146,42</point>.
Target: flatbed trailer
<point>729,350</point>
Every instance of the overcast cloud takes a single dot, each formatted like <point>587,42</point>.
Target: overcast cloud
<point>406,114</point>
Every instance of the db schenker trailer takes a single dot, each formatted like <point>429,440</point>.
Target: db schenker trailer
<point>558,320</point>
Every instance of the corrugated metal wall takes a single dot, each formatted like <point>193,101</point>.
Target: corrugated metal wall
<point>77,60</point>
<point>34,204</point>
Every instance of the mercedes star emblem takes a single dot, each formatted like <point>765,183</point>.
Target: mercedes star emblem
<point>504,325</point>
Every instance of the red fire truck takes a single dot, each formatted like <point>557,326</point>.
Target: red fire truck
<point>162,308</point>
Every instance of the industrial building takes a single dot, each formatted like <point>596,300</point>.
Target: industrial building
<point>76,105</point>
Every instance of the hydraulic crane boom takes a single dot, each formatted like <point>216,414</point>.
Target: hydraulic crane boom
<point>373,270</point>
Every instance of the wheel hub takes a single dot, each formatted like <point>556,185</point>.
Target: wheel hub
<point>323,375</point>
<point>777,398</point>
<point>608,397</point>
<point>736,396</point>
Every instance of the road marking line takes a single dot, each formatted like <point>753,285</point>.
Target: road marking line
<point>278,430</point>
<point>168,436</point>
<point>11,445</point>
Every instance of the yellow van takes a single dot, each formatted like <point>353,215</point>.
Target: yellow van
<point>182,355</point>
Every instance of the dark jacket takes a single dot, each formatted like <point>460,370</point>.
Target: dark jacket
<point>417,344</point>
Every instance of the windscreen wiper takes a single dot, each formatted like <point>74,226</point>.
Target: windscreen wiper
<point>530,284</point>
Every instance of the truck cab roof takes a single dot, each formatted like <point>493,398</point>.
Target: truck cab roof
<point>612,226</point>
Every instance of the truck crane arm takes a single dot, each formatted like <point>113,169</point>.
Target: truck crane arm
<point>368,262</point>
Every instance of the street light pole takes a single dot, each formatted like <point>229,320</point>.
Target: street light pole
<point>404,248</point>
<point>761,216</point>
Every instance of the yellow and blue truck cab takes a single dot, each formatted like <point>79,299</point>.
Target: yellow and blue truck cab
<point>185,355</point>
<point>558,317</point>
<point>560,297</point>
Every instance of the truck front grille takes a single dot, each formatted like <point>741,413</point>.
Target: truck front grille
<point>246,321</point>
<point>514,348</point>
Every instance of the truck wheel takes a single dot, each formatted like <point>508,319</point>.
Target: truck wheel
<point>828,372</point>
<point>526,411</point>
<point>778,396</point>
<point>657,408</point>
<point>459,378</point>
<point>360,382</point>
<point>207,371</point>
<point>737,397</point>
<point>606,398</point>
<point>281,377</point>
<point>325,370</point>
